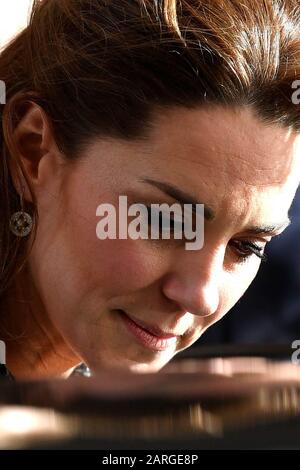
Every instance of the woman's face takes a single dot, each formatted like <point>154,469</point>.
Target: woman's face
<point>243,171</point>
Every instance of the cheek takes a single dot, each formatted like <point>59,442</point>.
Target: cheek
<point>124,266</point>
<point>111,267</point>
<point>107,267</point>
<point>73,265</point>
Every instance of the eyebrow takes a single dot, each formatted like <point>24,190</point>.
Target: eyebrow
<point>185,198</point>
<point>179,195</point>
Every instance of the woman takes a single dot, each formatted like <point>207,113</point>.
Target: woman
<point>162,102</point>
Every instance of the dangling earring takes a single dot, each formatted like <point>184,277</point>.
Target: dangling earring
<point>20,222</point>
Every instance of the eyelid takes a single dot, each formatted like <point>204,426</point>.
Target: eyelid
<point>255,250</point>
<point>254,238</point>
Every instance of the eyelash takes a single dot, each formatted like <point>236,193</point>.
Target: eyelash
<point>253,249</point>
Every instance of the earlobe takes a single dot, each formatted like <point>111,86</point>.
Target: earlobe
<point>33,140</point>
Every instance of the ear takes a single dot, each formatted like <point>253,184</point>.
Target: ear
<point>37,150</point>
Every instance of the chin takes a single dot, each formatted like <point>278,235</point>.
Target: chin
<point>147,368</point>
<point>127,364</point>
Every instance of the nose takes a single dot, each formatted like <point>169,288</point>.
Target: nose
<point>195,282</point>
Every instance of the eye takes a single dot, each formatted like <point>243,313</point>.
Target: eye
<point>244,249</point>
<point>163,221</point>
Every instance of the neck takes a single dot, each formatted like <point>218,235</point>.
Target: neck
<point>34,347</point>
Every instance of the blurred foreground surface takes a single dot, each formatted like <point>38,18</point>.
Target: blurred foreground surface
<point>248,402</point>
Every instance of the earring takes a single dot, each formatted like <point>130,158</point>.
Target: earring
<point>20,222</point>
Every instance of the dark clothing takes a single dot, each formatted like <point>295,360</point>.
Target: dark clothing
<point>82,369</point>
<point>4,373</point>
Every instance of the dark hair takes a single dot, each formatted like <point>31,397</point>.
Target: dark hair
<point>101,67</point>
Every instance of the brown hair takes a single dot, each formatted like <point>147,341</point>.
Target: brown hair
<point>100,67</point>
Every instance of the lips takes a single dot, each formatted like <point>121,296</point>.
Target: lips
<point>156,331</point>
<point>149,335</point>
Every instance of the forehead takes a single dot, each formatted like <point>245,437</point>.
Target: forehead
<point>231,143</point>
<point>226,158</point>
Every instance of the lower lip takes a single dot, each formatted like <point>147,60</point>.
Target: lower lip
<point>155,343</point>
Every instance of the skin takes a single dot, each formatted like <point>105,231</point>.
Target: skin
<point>62,309</point>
